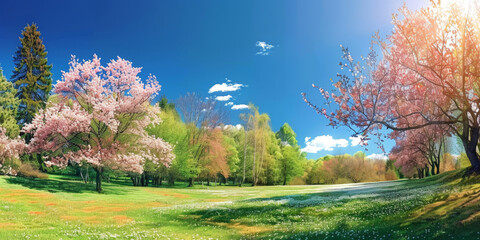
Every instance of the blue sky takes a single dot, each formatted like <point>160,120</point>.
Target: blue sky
<point>273,50</point>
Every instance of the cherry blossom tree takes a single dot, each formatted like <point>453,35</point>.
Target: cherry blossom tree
<point>99,119</point>
<point>421,149</point>
<point>428,76</point>
<point>10,148</point>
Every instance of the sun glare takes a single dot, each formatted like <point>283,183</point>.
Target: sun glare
<point>466,6</point>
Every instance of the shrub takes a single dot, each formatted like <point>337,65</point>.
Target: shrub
<point>9,166</point>
<point>297,181</point>
<point>27,170</point>
<point>390,175</point>
<point>342,181</point>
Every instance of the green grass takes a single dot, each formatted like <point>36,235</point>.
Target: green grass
<point>446,206</point>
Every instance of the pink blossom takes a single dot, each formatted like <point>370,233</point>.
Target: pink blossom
<point>10,148</point>
<point>101,118</point>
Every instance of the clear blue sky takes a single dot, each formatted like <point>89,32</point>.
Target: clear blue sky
<point>192,45</point>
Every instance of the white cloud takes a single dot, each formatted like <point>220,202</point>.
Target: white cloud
<point>264,48</point>
<point>225,87</point>
<point>377,156</point>
<point>238,126</point>
<point>229,104</point>
<point>239,106</point>
<point>223,98</point>
<point>324,142</point>
<point>357,141</point>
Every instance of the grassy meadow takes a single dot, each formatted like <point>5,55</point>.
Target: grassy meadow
<point>445,206</point>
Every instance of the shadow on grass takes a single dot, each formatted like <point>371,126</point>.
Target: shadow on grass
<point>273,220</point>
<point>126,181</point>
<point>444,216</point>
<point>54,185</point>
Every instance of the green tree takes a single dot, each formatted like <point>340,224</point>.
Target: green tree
<point>259,125</point>
<point>286,134</point>
<point>32,77</point>
<point>201,116</point>
<point>242,139</point>
<point>232,153</point>
<point>316,173</point>
<point>272,158</point>
<point>175,132</point>
<point>290,163</point>
<point>8,107</point>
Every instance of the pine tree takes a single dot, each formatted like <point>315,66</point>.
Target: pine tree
<point>32,77</point>
<point>8,107</point>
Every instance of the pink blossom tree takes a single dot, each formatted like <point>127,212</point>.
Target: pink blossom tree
<point>100,119</point>
<point>428,76</point>
<point>409,159</point>
<point>421,149</point>
<point>10,148</point>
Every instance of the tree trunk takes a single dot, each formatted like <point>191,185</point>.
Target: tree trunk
<point>208,181</point>
<point>142,179</point>
<point>190,182</point>
<point>470,146</point>
<point>244,155</point>
<point>474,161</point>
<point>84,177</point>
<point>254,181</point>
<point>98,181</point>
<point>135,181</point>
<point>285,181</point>
<point>262,148</point>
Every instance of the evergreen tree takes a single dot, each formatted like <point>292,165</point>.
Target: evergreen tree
<point>8,107</point>
<point>32,77</point>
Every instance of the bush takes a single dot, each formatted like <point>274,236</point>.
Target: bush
<point>342,181</point>
<point>297,181</point>
<point>390,175</point>
<point>27,170</point>
<point>9,166</point>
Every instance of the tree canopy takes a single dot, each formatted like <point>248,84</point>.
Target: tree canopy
<point>428,76</point>
<point>32,77</point>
